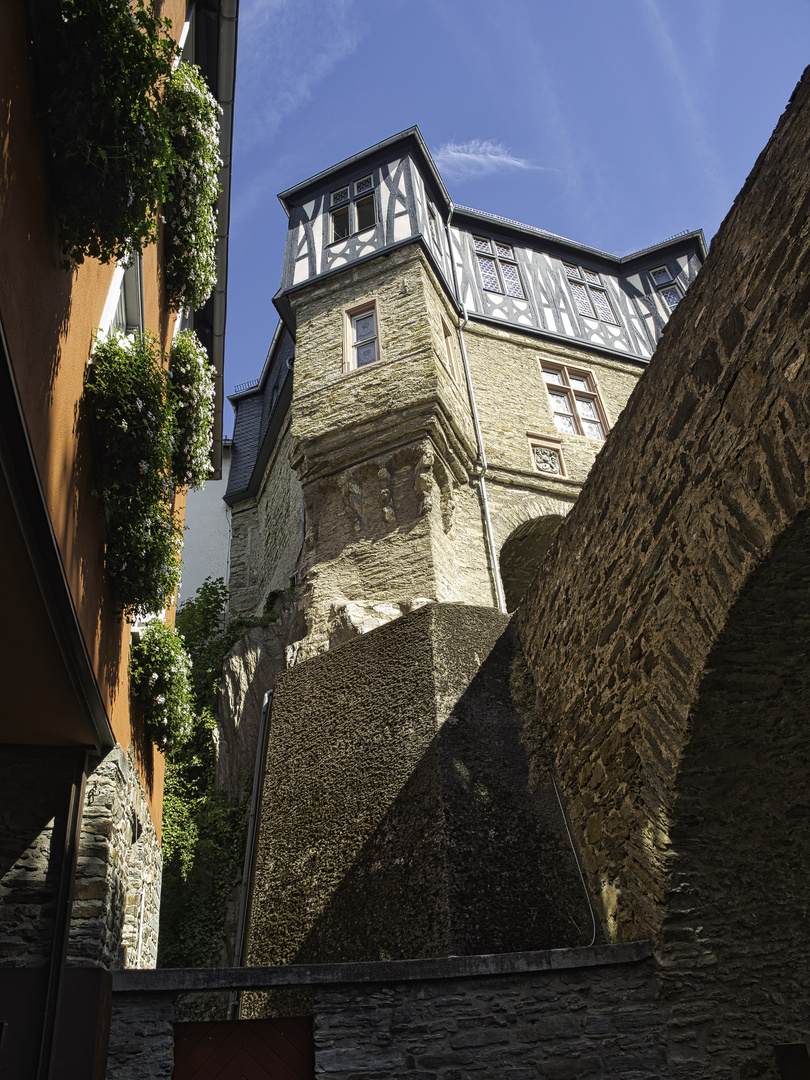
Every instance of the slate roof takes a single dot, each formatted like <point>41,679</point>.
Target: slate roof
<point>254,409</point>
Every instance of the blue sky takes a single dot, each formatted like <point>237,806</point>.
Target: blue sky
<point>615,124</point>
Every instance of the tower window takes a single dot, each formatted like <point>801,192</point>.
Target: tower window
<point>361,336</point>
<point>575,404</point>
<point>498,267</point>
<point>590,295</point>
<point>353,209</point>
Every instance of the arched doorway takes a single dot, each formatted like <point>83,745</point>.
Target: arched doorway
<point>522,554</point>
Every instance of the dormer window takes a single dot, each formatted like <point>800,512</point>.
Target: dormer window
<point>352,209</point>
<point>498,267</point>
<point>590,295</point>
<point>665,284</point>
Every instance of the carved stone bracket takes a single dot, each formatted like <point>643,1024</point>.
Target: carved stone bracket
<point>423,479</point>
<point>352,493</point>
<point>384,476</point>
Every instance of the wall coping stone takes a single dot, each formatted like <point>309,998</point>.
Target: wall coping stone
<point>158,980</point>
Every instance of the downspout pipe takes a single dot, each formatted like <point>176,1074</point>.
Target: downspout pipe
<point>479,439</point>
<point>250,843</point>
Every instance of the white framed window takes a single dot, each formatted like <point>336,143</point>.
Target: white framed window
<point>498,267</point>
<point>123,310</point>
<point>361,336</point>
<point>353,209</point>
<point>589,293</point>
<point>666,286</point>
<point>575,404</point>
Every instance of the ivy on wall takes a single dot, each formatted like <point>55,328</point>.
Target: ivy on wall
<point>203,833</point>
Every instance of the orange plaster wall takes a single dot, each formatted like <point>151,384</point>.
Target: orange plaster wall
<point>49,316</point>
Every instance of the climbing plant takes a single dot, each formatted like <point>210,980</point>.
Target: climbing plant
<point>133,139</point>
<point>203,832</point>
<point>153,434</point>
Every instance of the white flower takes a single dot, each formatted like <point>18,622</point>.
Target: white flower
<point>143,467</point>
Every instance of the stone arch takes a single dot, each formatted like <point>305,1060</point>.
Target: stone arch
<point>736,930</point>
<point>522,553</point>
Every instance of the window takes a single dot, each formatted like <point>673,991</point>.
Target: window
<point>499,272</point>
<point>128,317</point>
<point>666,286</point>
<point>362,336</point>
<point>590,295</point>
<point>353,209</point>
<point>575,403</point>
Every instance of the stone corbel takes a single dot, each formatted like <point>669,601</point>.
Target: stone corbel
<point>352,494</point>
<point>423,479</point>
<point>384,476</point>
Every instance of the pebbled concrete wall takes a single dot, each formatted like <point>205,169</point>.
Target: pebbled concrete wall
<point>397,814</point>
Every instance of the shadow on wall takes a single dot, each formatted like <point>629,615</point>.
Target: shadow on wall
<point>522,554</point>
<point>741,839</point>
<point>469,857</point>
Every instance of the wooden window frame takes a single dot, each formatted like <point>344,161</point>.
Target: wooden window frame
<point>582,278</point>
<point>499,259</point>
<point>349,345</point>
<point>572,393</point>
<point>666,288</point>
<point>346,200</point>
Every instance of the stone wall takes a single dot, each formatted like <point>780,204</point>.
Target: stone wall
<point>667,631</point>
<point>35,786</point>
<point>599,1022</point>
<point>563,1015</point>
<point>117,890</point>
<point>117,894</point>
<point>266,535</point>
<point>397,816</point>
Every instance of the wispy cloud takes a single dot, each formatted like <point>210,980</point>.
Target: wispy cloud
<point>690,112</point>
<point>476,158</point>
<point>276,75</point>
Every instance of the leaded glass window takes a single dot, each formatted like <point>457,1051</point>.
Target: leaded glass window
<point>489,274</point>
<point>575,405</point>
<point>366,184</point>
<point>590,296</point>
<point>672,296</point>
<point>500,274</point>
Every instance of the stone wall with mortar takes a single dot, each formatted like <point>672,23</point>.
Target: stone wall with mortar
<point>397,816</point>
<point>667,629</point>
<point>566,1014</point>
<point>114,919</point>
<point>141,1037</point>
<point>35,788</point>
<point>266,535</point>
<point>603,1023</point>
<point>117,894</point>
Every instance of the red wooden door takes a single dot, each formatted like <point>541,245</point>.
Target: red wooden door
<point>245,1050</point>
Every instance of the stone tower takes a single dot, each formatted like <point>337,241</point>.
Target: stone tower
<point>432,402</point>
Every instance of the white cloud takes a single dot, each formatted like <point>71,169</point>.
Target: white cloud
<point>479,157</point>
